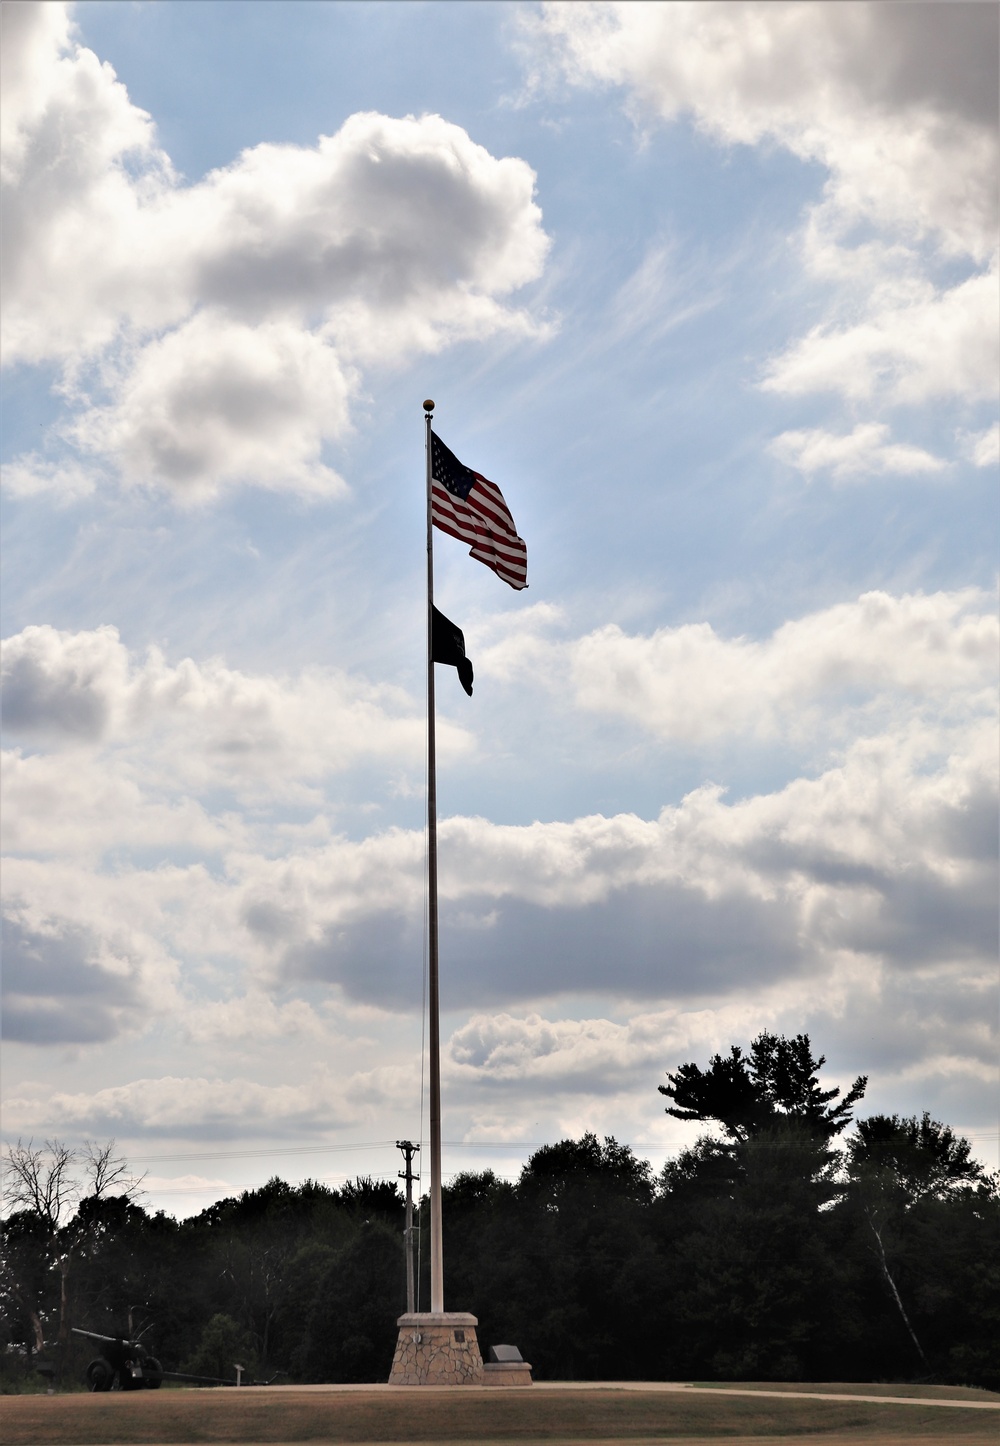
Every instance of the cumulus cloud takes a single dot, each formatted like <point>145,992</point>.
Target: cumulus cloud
<point>84,807</point>
<point>899,103</point>
<point>68,685</point>
<point>501,1071</point>
<point>136,892</point>
<point>936,344</point>
<point>865,452</point>
<point>67,981</point>
<point>887,857</point>
<point>195,1106</point>
<point>251,1018</point>
<point>223,322</point>
<point>32,36</point>
<point>689,684</point>
<point>80,166</point>
<point>214,402</point>
<point>927,1034</point>
<point>197,725</point>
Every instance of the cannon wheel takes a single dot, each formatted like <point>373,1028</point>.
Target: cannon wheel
<point>99,1375</point>
<point>152,1374</point>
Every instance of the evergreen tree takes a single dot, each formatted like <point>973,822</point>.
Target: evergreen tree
<point>747,1093</point>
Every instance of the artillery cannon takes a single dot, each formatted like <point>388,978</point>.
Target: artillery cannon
<point>123,1365</point>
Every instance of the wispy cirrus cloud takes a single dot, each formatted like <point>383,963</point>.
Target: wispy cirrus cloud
<point>909,146</point>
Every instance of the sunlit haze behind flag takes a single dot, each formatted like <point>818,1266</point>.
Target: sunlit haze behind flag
<point>709,291</point>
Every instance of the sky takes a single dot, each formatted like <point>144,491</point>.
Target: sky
<point>710,292</point>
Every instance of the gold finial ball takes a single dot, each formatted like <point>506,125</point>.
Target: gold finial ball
<point>428,405</point>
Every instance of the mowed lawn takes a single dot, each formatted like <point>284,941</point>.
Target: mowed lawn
<point>481,1416</point>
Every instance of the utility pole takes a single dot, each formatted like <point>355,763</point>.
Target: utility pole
<point>409,1150</point>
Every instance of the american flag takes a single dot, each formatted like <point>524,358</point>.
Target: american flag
<point>468,506</point>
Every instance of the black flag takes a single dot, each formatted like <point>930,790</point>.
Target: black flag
<point>448,646</point>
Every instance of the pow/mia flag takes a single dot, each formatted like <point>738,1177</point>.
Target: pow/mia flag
<point>448,646</point>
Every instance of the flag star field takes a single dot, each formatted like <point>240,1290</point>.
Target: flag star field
<point>709,293</point>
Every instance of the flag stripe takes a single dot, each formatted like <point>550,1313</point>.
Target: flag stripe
<point>445,518</point>
<point>511,549</point>
<point>469,507</point>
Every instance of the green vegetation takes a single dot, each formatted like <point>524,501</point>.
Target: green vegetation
<point>796,1247</point>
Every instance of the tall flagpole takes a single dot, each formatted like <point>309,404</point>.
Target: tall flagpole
<point>433,991</point>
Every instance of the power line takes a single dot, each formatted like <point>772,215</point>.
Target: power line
<point>258,1154</point>
<point>505,1145</point>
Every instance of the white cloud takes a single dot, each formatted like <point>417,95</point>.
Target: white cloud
<point>903,145</point>
<point>835,904</point>
<point>897,103</point>
<point>216,402</point>
<point>31,474</point>
<point>926,1036</point>
<point>198,1105</point>
<point>33,36</point>
<point>832,898</point>
<point>80,169</point>
<point>534,1075</point>
<point>74,979</point>
<point>983,448</point>
<point>251,1018</point>
<point>195,726</point>
<point>63,684</point>
<point>865,452</point>
<point>388,221</point>
<point>81,807</point>
<point>886,856</point>
<point>815,677</point>
<point>224,321</point>
<point>936,344</point>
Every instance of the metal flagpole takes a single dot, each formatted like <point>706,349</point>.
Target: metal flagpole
<point>433,993</point>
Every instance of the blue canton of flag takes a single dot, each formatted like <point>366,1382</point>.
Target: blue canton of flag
<point>466,505</point>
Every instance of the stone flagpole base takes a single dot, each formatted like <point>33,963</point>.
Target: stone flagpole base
<point>442,1350</point>
<point>437,1349</point>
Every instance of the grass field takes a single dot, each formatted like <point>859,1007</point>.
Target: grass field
<point>535,1415</point>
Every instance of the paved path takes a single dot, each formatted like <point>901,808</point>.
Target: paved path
<point>679,1386</point>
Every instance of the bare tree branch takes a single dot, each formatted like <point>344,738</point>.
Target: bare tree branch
<point>41,1179</point>
<point>109,1173</point>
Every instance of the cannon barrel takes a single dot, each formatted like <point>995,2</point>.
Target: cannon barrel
<point>94,1336</point>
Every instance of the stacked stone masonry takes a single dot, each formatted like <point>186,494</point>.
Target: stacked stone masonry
<point>443,1350</point>
<point>437,1350</point>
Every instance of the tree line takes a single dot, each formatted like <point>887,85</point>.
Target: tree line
<point>791,1242</point>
